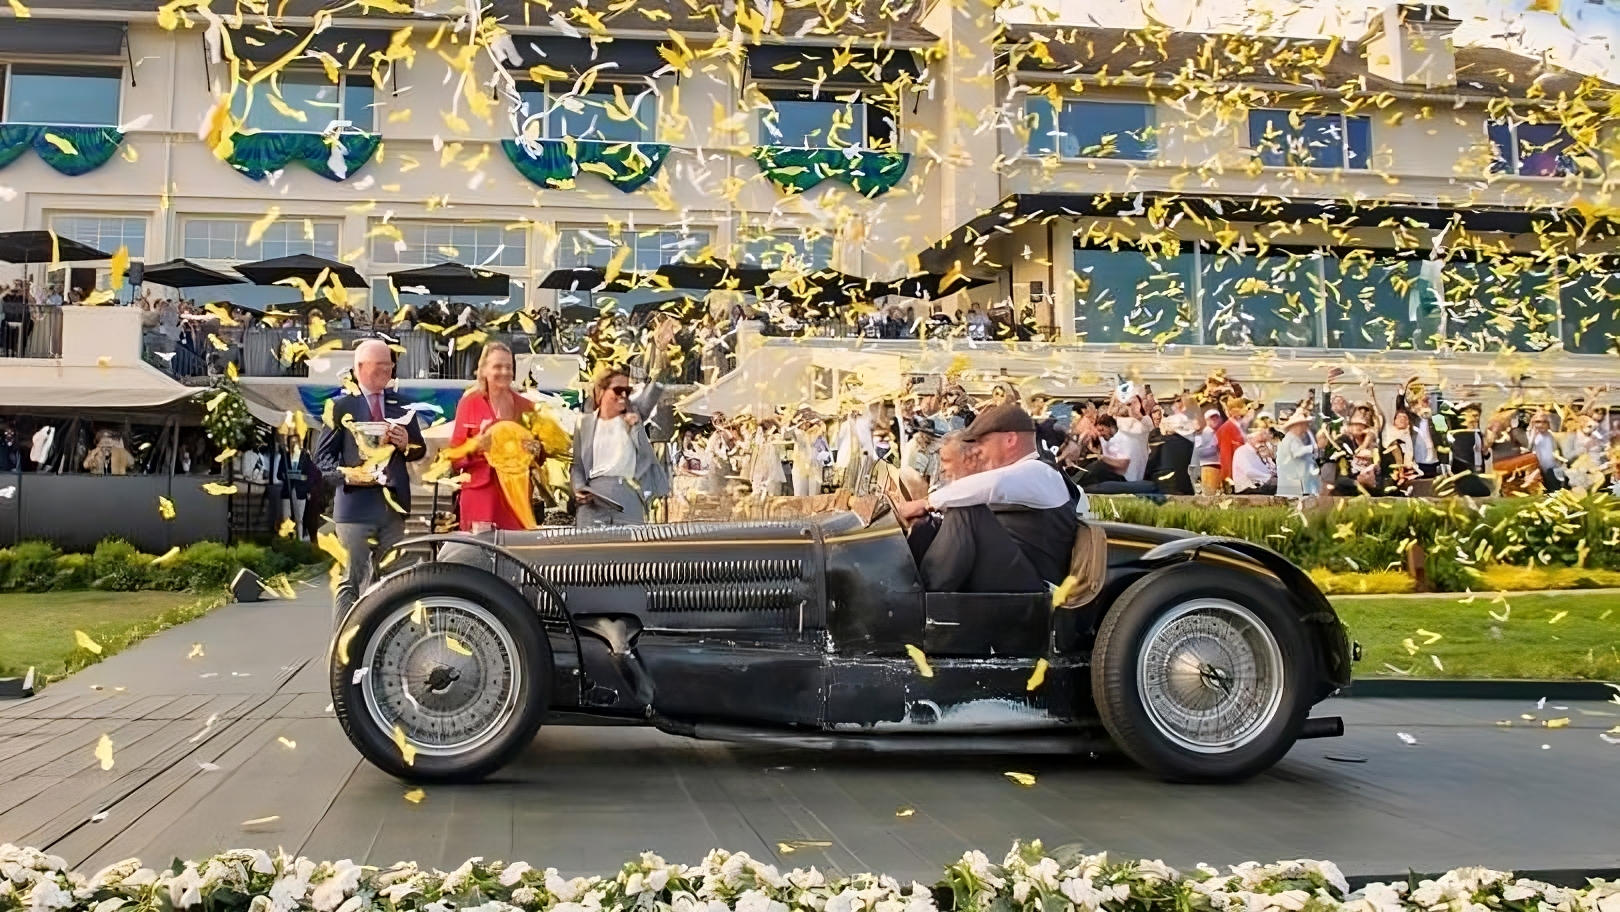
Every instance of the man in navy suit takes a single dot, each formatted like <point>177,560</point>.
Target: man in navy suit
<point>367,523</point>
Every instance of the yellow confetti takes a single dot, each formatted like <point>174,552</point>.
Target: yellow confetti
<point>20,11</point>
<point>406,749</point>
<point>455,646</point>
<point>288,527</point>
<point>415,796</point>
<point>288,743</point>
<point>1024,779</point>
<point>260,821</point>
<point>196,651</point>
<point>905,812</point>
<point>1558,617</point>
<point>84,641</point>
<point>165,507</point>
<point>118,267</point>
<point>921,660</point>
<point>219,490</point>
<point>104,752</point>
<point>1038,677</point>
<point>60,143</point>
<point>1431,636</point>
<point>169,555</point>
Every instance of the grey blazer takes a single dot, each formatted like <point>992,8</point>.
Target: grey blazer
<point>652,477</point>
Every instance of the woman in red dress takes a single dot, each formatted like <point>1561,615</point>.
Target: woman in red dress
<point>491,399</point>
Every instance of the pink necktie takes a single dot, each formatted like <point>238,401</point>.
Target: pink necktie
<point>375,401</point>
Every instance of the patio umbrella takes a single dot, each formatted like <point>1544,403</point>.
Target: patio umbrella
<point>299,266</point>
<point>186,274</point>
<point>828,286</point>
<point>453,279</point>
<point>929,285</point>
<point>583,313</point>
<point>711,275</point>
<point>591,278</point>
<point>38,246</point>
<point>679,306</point>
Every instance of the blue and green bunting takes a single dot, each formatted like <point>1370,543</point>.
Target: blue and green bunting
<point>555,163</point>
<point>260,154</point>
<point>795,170</point>
<point>71,150</point>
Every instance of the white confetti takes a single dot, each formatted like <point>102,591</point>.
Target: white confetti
<point>1406,737</point>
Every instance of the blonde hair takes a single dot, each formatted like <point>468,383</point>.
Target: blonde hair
<point>480,384</point>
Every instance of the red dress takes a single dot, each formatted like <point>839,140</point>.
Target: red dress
<point>481,497</point>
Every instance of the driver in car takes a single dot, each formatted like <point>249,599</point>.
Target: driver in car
<point>1006,520</point>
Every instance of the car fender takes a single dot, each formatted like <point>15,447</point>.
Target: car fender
<point>1332,640</point>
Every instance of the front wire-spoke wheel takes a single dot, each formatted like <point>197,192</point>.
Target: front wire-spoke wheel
<point>442,673</point>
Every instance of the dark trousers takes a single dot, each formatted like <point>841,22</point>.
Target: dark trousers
<point>968,550</point>
<point>1269,487</point>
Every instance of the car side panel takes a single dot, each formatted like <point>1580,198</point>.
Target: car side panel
<point>708,679</point>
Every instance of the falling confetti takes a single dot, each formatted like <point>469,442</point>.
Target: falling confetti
<point>1406,738</point>
<point>1038,677</point>
<point>415,796</point>
<point>1024,779</point>
<point>84,641</point>
<point>921,660</point>
<point>287,742</point>
<point>196,651</point>
<point>104,752</point>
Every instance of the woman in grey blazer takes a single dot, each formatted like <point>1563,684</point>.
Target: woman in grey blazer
<point>615,472</point>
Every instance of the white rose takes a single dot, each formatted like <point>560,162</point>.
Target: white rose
<point>1292,900</point>
<point>352,904</point>
<point>47,896</point>
<point>514,872</point>
<point>525,896</point>
<point>806,878</point>
<point>657,880</point>
<point>1609,903</point>
<point>330,893</point>
<point>565,890</point>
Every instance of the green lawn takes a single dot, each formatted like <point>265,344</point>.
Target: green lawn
<point>36,629</point>
<point>1533,641</point>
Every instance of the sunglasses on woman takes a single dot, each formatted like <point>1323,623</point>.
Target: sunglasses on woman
<point>619,390</point>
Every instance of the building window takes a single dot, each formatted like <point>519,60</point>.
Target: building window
<point>1381,302</point>
<point>64,95</point>
<point>1291,139</point>
<point>1531,150</point>
<point>582,248</point>
<point>611,112</point>
<point>1500,304</point>
<point>1134,296</point>
<point>1587,295</point>
<point>422,243</point>
<point>104,232</point>
<point>1091,129</point>
<point>226,239</point>
<point>310,102</point>
<point>784,249</point>
<point>828,119</point>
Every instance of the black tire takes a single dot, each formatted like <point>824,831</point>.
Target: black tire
<point>1161,607</point>
<point>498,623</point>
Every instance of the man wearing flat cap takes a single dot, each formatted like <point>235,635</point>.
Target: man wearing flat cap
<point>1008,528</point>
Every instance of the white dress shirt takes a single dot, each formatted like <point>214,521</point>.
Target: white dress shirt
<point>1249,469</point>
<point>611,452</point>
<point>1029,482</point>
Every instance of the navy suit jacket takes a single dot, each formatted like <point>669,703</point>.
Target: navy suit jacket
<point>365,503</point>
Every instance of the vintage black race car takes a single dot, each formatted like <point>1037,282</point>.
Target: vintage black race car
<point>1199,657</point>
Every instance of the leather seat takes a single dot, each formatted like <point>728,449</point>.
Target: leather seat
<point>1088,565</point>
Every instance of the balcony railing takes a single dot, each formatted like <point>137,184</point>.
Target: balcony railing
<point>257,351</point>
<point>30,330</point>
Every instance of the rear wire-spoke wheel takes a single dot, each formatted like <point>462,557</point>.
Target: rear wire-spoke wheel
<point>1211,675</point>
<point>442,673</point>
<point>445,671</point>
<point>1203,673</point>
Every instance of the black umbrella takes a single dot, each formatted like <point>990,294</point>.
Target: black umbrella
<point>584,313</point>
<point>186,274</point>
<point>453,279</point>
<point>594,278</point>
<point>928,285</point>
<point>679,306</point>
<point>39,247</point>
<point>299,266</point>
<point>828,286</point>
<point>710,275</point>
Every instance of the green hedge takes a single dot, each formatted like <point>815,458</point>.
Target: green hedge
<point>1459,537</point>
<point>37,566</point>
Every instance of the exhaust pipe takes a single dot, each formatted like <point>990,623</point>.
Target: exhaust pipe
<point>1323,727</point>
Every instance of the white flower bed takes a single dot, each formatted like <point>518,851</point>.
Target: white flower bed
<point>1027,880</point>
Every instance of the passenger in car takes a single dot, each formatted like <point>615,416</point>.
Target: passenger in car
<point>1006,524</point>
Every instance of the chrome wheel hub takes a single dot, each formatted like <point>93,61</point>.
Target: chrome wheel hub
<point>1210,675</point>
<point>444,672</point>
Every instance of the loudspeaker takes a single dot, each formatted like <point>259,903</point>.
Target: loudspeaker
<point>247,587</point>
<point>137,274</point>
<point>16,688</point>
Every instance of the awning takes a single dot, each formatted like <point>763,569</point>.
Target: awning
<point>26,384</point>
<point>1021,209</point>
<point>261,45</point>
<point>61,38</point>
<point>41,246</point>
<point>799,62</point>
<point>576,55</point>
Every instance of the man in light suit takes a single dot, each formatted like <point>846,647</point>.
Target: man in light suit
<point>367,523</point>
<point>615,471</point>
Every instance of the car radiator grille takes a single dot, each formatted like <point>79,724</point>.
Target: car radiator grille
<point>675,573</point>
<point>746,597</point>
